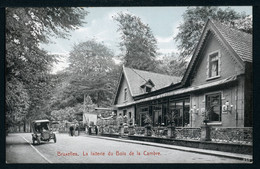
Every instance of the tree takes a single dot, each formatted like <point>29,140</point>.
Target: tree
<point>138,45</point>
<point>90,56</point>
<point>194,20</point>
<point>171,65</point>
<point>27,65</point>
<point>92,72</point>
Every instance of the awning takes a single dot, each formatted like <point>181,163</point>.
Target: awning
<point>182,91</point>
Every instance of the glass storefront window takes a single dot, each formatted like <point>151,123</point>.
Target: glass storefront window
<point>179,110</point>
<point>141,112</point>
<point>157,112</point>
<point>162,114</point>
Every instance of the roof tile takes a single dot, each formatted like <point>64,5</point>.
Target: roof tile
<point>240,41</point>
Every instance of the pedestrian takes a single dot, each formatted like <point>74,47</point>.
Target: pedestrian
<point>96,129</point>
<point>76,130</point>
<point>71,130</point>
<point>89,130</point>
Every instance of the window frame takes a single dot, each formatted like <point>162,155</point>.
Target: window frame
<point>185,113</point>
<point>125,94</point>
<point>149,89</point>
<point>209,65</point>
<point>220,93</point>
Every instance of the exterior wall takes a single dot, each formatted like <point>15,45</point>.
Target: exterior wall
<point>120,99</point>
<point>227,65</point>
<point>233,93</point>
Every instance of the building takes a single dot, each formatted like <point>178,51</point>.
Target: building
<point>216,86</point>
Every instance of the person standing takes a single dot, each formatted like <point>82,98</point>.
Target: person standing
<point>96,129</point>
<point>76,130</point>
<point>89,130</point>
<point>71,130</point>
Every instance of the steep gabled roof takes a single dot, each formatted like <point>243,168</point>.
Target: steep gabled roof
<point>136,78</point>
<point>238,43</point>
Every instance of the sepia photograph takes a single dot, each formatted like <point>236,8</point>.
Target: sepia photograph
<point>129,85</point>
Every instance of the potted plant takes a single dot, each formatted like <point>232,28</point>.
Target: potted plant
<point>130,122</point>
<point>170,117</point>
<point>131,127</point>
<point>148,124</point>
<point>205,129</point>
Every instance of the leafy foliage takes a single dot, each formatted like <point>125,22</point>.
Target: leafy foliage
<point>138,45</point>
<point>91,72</point>
<point>17,101</point>
<point>27,65</point>
<point>194,20</point>
<point>171,65</point>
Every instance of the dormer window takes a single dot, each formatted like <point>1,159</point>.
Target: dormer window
<point>147,86</point>
<point>213,65</point>
<point>148,89</point>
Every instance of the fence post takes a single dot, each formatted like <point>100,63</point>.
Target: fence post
<point>205,133</point>
<point>110,129</point>
<point>171,132</point>
<point>121,131</point>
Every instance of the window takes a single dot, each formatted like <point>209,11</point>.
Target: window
<point>124,112</point>
<point>179,111</point>
<point>124,116</point>
<point>141,113</point>
<point>213,65</point>
<point>213,107</point>
<point>148,89</point>
<point>157,115</point>
<point>125,94</point>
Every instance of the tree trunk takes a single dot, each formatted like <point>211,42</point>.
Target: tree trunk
<point>24,126</point>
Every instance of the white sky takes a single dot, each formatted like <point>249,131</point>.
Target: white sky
<point>163,22</point>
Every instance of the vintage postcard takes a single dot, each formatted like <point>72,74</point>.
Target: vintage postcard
<point>129,85</point>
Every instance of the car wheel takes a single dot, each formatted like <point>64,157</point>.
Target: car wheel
<point>54,138</point>
<point>38,140</point>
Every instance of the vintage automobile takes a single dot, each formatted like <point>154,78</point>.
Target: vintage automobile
<point>42,131</point>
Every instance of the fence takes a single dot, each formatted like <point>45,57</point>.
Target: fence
<point>243,135</point>
<point>111,130</point>
<point>159,132</point>
<point>187,133</point>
